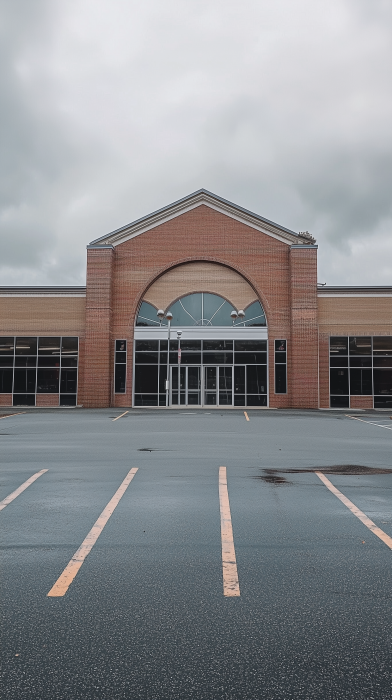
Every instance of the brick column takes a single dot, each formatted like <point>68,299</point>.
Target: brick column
<point>304,327</point>
<point>98,371</point>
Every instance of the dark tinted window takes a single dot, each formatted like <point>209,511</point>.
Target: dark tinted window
<point>361,345</point>
<point>26,346</point>
<point>6,346</point>
<point>69,346</point>
<point>338,345</point>
<point>49,346</point>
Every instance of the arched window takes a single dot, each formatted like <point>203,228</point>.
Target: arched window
<point>202,309</point>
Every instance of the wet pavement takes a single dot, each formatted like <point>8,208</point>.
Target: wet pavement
<point>145,615</point>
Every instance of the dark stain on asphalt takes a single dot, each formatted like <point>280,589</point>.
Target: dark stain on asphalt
<point>343,469</point>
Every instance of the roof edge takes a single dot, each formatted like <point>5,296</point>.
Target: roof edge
<point>188,198</point>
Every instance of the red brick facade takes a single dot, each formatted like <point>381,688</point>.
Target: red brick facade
<point>267,262</point>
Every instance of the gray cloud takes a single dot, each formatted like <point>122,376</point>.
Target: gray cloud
<point>113,109</point>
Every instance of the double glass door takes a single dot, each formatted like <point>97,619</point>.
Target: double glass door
<point>196,386</point>
<point>185,386</point>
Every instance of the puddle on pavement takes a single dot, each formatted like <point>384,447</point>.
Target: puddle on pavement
<point>152,449</point>
<point>272,476</point>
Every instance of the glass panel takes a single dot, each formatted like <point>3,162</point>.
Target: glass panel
<point>210,399</point>
<point>46,361</point>
<point>68,400</point>
<point>69,346</point>
<point>121,357</point>
<point>217,344</point>
<point>382,361</point>
<point>30,361</point>
<point>213,358</point>
<point>256,400</point>
<point>6,361</point>
<point>121,345</point>
<point>250,345</point>
<point>239,399</point>
<point>68,381</point>
<point>225,378</point>
<point>190,345</point>
<point>339,381</point>
<point>256,379</point>
<point>190,358</point>
<point>23,400</point>
<point>146,400</point>
<point>48,381</point>
<point>193,378</point>
<point>146,358</point>
<point>382,381</point>
<point>340,361</point>
<point>216,311</point>
<point>382,345</point>
<point>280,358</point>
<point>340,402</point>
<point>49,346</point>
<point>358,361</point>
<point>5,381</point>
<point>361,346</point>
<point>24,381</point>
<point>254,316</point>
<point>239,380</point>
<point>162,379</point>
<point>69,361</point>
<point>280,346</point>
<point>250,358</point>
<point>147,316</point>
<point>147,345</point>
<point>383,402</point>
<point>210,374</point>
<point>173,345</point>
<point>119,379</point>
<point>280,379</point>
<point>26,346</point>
<point>194,399</point>
<point>361,382</point>
<point>187,311</point>
<point>338,345</point>
<point>146,379</point>
<point>6,346</point>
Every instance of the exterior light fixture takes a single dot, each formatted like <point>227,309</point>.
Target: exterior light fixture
<point>161,314</point>
<point>241,314</point>
<point>234,315</point>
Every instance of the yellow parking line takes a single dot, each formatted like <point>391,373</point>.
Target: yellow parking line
<point>21,488</point>
<point>246,415</point>
<point>21,413</point>
<point>64,581</point>
<point>230,575</point>
<point>123,414</point>
<point>359,514</point>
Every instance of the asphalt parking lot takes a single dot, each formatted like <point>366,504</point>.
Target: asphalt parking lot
<point>196,554</point>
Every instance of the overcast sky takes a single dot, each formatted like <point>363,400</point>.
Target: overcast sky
<point>114,108</point>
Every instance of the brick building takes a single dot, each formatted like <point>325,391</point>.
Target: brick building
<point>201,303</point>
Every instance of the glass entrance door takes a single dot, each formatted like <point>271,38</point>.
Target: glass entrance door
<point>185,386</point>
<point>218,386</point>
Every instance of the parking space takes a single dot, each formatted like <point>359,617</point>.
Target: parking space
<point>204,554</point>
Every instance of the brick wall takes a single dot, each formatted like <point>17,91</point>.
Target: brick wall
<point>199,235</point>
<point>96,388</point>
<point>304,327</point>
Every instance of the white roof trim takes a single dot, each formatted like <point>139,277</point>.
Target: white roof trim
<point>197,199</point>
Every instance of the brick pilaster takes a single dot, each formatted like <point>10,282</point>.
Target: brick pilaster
<point>98,369</point>
<point>304,327</point>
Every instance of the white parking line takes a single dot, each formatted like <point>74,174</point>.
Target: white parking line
<point>358,513</point>
<point>387,427</point>
<point>20,489</point>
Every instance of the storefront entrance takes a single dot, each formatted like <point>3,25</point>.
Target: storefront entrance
<point>202,386</point>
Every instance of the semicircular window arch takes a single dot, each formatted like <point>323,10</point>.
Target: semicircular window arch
<point>202,309</point>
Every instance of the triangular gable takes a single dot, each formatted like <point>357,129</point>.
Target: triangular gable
<point>196,199</point>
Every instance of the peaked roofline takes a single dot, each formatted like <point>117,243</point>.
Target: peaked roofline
<point>196,198</point>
